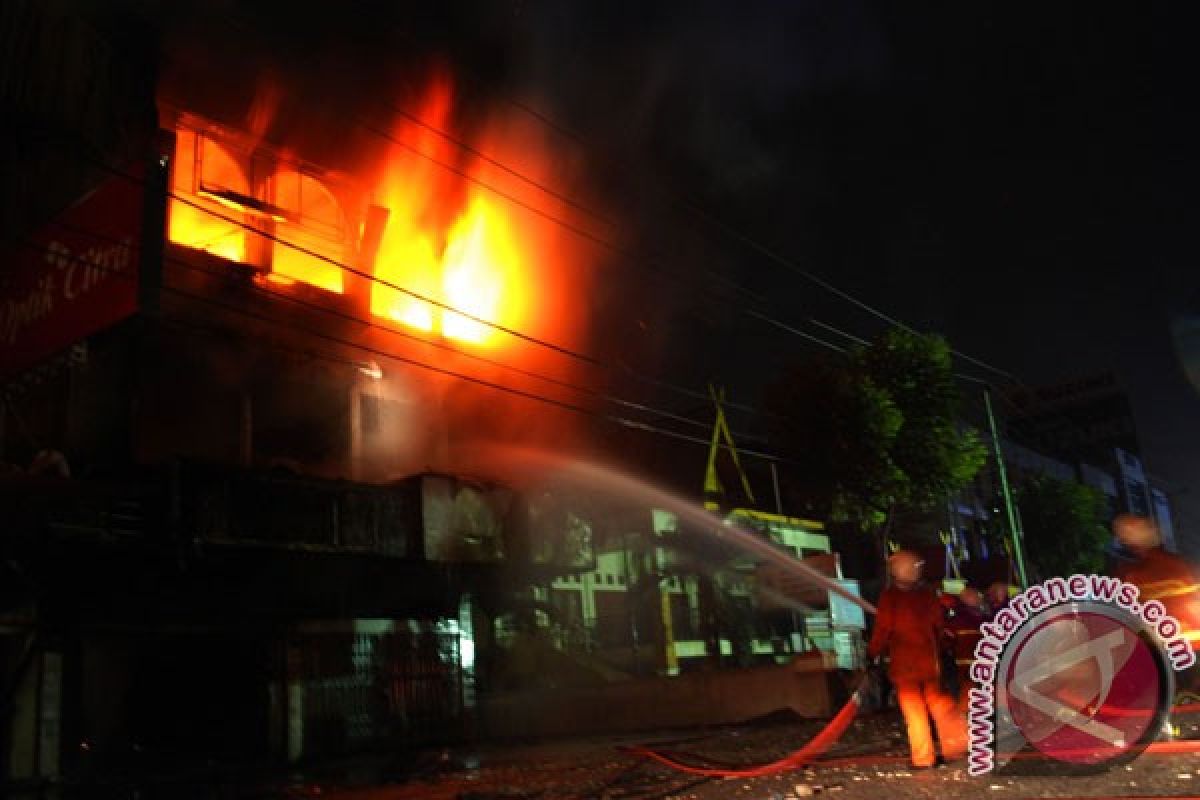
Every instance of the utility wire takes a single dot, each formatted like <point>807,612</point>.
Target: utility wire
<point>567,225</point>
<point>477,153</point>
<point>611,418</point>
<point>673,196</point>
<point>568,352</point>
<point>372,323</point>
<point>599,240</point>
<point>726,228</point>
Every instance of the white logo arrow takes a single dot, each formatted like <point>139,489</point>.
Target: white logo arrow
<point>1099,649</point>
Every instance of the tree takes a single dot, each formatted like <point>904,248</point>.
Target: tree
<point>1065,525</point>
<point>932,450</point>
<point>876,432</point>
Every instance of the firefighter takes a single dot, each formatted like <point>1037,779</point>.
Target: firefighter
<point>962,634</point>
<point>1159,575</point>
<point>908,627</point>
<point>997,599</point>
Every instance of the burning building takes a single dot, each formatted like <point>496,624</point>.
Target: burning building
<point>241,391</point>
<point>248,381</point>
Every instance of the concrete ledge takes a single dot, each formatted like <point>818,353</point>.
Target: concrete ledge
<point>699,698</point>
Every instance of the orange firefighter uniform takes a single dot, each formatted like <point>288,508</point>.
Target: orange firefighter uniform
<point>1158,574</point>
<point>908,627</point>
<point>1166,577</point>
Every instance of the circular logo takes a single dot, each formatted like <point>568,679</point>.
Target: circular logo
<point>1084,685</point>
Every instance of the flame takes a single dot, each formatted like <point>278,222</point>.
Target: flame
<point>309,241</point>
<point>409,262</point>
<point>480,273</point>
<point>201,167</point>
<point>475,273</point>
<point>215,209</point>
<point>458,253</point>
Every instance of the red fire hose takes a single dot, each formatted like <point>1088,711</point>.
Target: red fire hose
<point>805,755</point>
<point>814,749</point>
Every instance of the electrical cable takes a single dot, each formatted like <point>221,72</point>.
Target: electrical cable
<point>372,323</point>
<point>621,421</point>
<point>340,265</point>
<point>474,151</point>
<point>685,202</point>
<point>588,235</point>
<point>611,418</point>
<point>608,245</point>
<point>734,233</point>
<point>566,351</point>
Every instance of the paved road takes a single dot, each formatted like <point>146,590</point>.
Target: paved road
<point>869,763</point>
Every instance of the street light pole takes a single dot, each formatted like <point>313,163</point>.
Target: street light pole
<point>1009,507</point>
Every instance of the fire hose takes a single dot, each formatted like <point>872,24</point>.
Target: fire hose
<point>794,760</point>
<point>832,732</point>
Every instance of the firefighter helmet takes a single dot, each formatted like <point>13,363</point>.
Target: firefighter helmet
<point>1136,532</point>
<point>905,567</point>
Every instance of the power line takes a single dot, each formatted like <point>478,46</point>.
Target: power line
<point>513,332</point>
<point>579,231</point>
<point>796,331</point>
<point>469,148</point>
<point>832,329</point>
<point>725,227</point>
<point>572,407</point>
<point>623,421</point>
<point>591,360</point>
<point>685,202</point>
<point>617,249</point>
<point>613,247</point>
<point>326,309</point>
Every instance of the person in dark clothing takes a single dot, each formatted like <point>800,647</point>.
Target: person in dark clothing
<point>962,634</point>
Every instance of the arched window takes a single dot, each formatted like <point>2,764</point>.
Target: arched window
<point>311,230</point>
<point>206,175</point>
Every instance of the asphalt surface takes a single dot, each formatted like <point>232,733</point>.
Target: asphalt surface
<point>869,762</point>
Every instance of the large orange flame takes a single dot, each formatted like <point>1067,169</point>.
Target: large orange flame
<point>471,264</point>
<point>481,273</point>
<point>459,255</point>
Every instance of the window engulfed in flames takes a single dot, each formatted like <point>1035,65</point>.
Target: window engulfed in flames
<point>451,261</point>
<point>202,168</point>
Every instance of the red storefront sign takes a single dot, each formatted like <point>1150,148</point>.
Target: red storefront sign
<point>75,276</point>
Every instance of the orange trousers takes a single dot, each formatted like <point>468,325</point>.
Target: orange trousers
<point>919,701</point>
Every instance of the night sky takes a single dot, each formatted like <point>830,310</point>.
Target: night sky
<point>1012,177</point>
<point>1015,178</point>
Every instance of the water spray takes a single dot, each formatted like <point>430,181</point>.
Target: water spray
<point>615,482</point>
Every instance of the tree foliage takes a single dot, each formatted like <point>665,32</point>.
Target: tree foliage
<point>875,432</point>
<point>1065,525</point>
